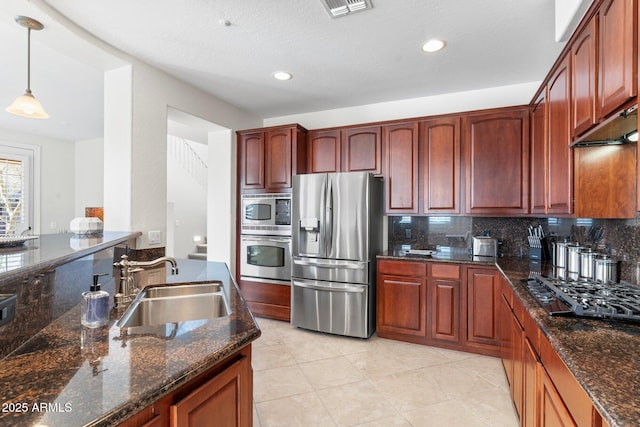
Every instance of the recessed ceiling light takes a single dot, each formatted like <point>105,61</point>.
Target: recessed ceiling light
<point>433,45</point>
<point>282,75</point>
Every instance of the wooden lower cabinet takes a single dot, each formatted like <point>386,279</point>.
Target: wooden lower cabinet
<point>221,397</point>
<point>482,299</point>
<point>544,392</point>
<point>401,296</point>
<point>553,411</point>
<point>423,302</point>
<point>269,300</point>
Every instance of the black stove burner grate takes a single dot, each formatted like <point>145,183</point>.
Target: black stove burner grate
<point>587,298</point>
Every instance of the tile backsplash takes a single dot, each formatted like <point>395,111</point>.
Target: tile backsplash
<point>618,237</point>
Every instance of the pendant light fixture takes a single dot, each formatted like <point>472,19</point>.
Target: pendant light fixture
<point>27,105</point>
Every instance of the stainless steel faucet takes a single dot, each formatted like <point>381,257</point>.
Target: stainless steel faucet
<point>126,291</point>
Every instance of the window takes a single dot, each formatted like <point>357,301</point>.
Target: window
<point>12,203</point>
<point>16,189</point>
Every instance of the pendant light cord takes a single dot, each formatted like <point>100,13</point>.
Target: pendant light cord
<point>28,60</point>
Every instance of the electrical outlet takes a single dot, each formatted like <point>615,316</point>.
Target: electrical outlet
<point>154,237</point>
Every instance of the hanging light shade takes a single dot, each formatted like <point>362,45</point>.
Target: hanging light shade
<point>27,105</point>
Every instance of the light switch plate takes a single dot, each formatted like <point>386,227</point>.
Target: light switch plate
<point>154,237</point>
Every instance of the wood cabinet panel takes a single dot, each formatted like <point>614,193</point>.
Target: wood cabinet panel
<point>401,168</point>
<point>583,77</point>
<point>553,412</point>
<point>483,292</point>
<point>324,151</point>
<point>268,300</point>
<point>559,160</point>
<point>444,310</point>
<point>278,159</point>
<point>618,54</point>
<point>496,151</point>
<point>403,268</point>
<point>440,166</point>
<point>530,387</point>
<point>605,181</point>
<point>220,396</point>
<point>251,159</point>
<point>445,271</point>
<point>539,148</point>
<point>362,150</point>
<point>401,305</point>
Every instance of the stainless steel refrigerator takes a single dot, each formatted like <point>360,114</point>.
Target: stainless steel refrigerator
<point>336,233</point>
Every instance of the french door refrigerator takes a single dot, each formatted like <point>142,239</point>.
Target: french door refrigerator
<point>336,233</point>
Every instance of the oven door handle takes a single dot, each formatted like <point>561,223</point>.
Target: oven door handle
<point>266,239</point>
<point>353,265</point>
<point>339,288</point>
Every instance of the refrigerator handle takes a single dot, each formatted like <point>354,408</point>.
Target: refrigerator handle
<point>340,288</point>
<point>329,216</point>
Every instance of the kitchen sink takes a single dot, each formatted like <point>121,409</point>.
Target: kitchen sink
<point>159,305</point>
<point>181,290</point>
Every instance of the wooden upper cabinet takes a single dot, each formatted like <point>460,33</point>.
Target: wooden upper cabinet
<point>559,155</point>
<point>269,157</point>
<point>439,165</point>
<point>583,77</point>
<point>362,150</point>
<point>401,168</point>
<point>324,151</point>
<point>496,152</point>
<point>618,54</point>
<point>539,149</point>
<point>251,160</point>
<point>278,158</point>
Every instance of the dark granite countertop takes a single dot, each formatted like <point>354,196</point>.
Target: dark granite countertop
<point>601,354</point>
<point>70,375</point>
<point>442,254</point>
<point>51,250</point>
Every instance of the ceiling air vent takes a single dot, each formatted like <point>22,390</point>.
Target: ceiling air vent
<point>337,8</point>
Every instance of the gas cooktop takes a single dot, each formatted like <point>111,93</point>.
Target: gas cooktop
<point>586,298</point>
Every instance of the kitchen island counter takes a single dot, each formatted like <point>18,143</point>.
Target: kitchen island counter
<point>71,375</point>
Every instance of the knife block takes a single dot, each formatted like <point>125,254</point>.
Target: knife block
<point>539,249</point>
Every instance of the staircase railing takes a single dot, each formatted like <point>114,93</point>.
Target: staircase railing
<point>188,158</point>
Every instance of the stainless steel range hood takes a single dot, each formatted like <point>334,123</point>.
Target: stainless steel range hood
<point>617,129</point>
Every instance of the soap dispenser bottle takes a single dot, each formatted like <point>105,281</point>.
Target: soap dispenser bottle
<point>95,305</point>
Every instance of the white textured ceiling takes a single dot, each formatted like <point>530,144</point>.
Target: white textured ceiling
<point>367,57</point>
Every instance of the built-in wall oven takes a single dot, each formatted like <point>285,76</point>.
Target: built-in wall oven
<point>265,257</point>
<point>265,241</point>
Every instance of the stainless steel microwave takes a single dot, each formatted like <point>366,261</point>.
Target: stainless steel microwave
<point>266,214</point>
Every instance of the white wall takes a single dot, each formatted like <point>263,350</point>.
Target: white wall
<point>89,164</point>
<point>503,96</point>
<point>57,179</point>
<point>135,148</point>
<point>568,14</point>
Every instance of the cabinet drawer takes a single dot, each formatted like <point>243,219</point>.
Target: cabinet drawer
<point>403,268</point>
<point>445,271</point>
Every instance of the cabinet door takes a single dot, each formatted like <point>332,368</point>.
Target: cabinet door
<point>531,364</point>
<point>483,290</point>
<point>539,155</point>
<point>401,168</point>
<point>324,151</point>
<point>559,158</point>
<point>583,78</point>
<point>439,165</point>
<point>553,412</point>
<point>497,162</point>
<point>362,150</point>
<point>401,304</point>
<point>251,161</point>
<point>219,402</point>
<point>517,344</point>
<point>618,54</point>
<point>278,169</point>
<point>506,344</point>
<point>444,310</point>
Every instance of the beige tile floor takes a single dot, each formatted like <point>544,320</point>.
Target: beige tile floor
<point>304,378</point>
